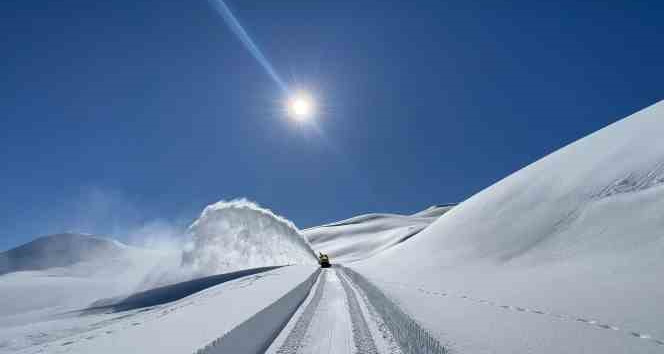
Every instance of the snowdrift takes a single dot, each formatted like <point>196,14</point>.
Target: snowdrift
<point>577,234</point>
<point>239,234</point>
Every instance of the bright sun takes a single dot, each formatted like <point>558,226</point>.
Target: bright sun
<point>301,106</point>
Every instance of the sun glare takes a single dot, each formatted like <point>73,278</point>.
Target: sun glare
<point>301,106</point>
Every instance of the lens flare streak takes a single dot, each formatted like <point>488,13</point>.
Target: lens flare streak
<point>244,37</point>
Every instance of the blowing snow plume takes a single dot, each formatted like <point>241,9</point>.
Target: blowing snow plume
<point>239,234</point>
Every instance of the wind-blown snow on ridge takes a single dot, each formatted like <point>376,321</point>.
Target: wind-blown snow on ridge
<point>240,234</point>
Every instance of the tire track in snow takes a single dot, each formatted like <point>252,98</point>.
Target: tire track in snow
<point>383,337</point>
<point>568,318</point>
<point>299,340</point>
<point>364,342</point>
<point>294,340</point>
<point>410,336</point>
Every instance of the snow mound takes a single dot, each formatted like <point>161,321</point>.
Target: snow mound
<point>239,234</point>
<point>59,250</point>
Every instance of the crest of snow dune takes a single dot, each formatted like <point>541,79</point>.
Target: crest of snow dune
<point>240,234</point>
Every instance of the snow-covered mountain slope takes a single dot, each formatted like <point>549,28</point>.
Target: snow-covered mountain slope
<point>563,256</point>
<point>366,235</point>
<point>65,272</point>
<point>59,250</point>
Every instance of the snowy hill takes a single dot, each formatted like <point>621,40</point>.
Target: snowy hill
<point>64,272</point>
<point>565,254</point>
<point>58,251</point>
<point>365,235</point>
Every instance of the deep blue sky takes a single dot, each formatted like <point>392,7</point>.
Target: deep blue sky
<point>115,113</point>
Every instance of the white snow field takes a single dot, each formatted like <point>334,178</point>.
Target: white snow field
<point>563,256</point>
<point>187,325</point>
<point>66,272</point>
<point>365,235</point>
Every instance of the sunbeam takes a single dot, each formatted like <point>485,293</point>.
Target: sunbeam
<point>244,37</point>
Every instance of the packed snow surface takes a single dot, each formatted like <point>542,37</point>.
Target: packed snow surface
<point>365,235</point>
<point>563,256</point>
<point>344,313</point>
<point>183,326</point>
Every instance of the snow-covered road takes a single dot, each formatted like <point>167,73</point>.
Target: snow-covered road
<point>338,317</point>
<point>325,324</point>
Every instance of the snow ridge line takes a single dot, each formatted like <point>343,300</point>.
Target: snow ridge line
<point>293,341</point>
<point>362,338</point>
<point>569,318</point>
<point>410,335</point>
<point>257,333</point>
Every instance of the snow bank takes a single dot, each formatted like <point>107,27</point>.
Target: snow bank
<point>168,293</point>
<point>239,234</point>
<point>257,333</point>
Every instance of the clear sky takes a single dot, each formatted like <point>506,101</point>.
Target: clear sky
<point>119,113</point>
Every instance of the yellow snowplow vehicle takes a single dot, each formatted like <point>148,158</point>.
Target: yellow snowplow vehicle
<point>324,260</point>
